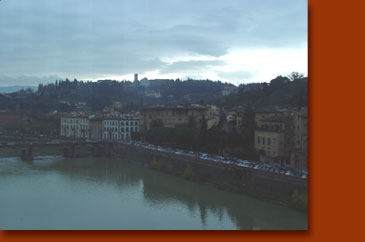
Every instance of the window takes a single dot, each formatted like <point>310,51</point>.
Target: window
<point>122,123</point>
<point>132,129</point>
<point>258,139</point>
<point>122,136</point>
<point>127,129</point>
<point>136,123</point>
<point>269,141</point>
<point>263,140</point>
<point>126,123</point>
<point>274,141</point>
<point>122,129</point>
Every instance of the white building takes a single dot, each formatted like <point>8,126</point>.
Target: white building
<point>75,126</point>
<point>120,128</point>
<point>108,128</point>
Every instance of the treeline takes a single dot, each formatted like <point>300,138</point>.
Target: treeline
<point>223,139</point>
<point>282,91</point>
<point>66,95</point>
<point>132,95</point>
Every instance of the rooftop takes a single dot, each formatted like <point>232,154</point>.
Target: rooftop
<point>275,119</point>
<point>182,108</point>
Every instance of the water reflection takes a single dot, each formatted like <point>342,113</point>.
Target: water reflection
<point>162,192</point>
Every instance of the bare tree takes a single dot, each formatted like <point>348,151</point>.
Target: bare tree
<point>295,75</point>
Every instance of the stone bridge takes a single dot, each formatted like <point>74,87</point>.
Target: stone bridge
<point>68,147</point>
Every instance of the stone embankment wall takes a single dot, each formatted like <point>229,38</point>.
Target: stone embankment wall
<point>261,184</point>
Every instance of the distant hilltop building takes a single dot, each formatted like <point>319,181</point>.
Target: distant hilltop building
<point>153,94</point>
<point>228,90</point>
<point>136,77</point>
<point>145,82</point>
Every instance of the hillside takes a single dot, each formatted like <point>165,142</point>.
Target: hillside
<point>66,95</point>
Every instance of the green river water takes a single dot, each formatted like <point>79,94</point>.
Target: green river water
<point>98,193</point>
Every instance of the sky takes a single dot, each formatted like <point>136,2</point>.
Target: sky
<point>236,41</point>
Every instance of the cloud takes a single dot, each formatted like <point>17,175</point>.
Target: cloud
<point>26,80</point>
<point>235,75</point>
<point>193,66</point>
<point>88,38</point>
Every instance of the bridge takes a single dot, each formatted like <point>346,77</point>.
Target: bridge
<point>68,146</point>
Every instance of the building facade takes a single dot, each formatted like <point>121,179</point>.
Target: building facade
<point>175,116</point>
<point>299,151</point>
<point>97,128</point>
<point>120,128</point>
<point>75,126</point>
<point>272,139</point>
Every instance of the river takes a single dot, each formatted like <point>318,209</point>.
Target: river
<point>98,193</point>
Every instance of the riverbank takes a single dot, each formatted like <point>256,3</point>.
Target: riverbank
<point>286,190</point>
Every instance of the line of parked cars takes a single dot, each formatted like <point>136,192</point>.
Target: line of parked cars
<point>226,160</point>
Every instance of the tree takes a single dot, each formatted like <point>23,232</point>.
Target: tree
<point>203,131</point>
<point>295,75</point>
<point>187,171</point>
<point>247,131</point>
<point>191,123</point>
<point>278,81</point>
<point>156,123</point>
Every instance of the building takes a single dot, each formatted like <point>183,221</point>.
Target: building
<point>228,90</point>
<point>120,128</point>
<point>213,121</point>
<point>299,151</point>
<point>145,82</point>
<point>234,115</point>
<point>76,126</point>
<point>153,94</point>
<point>261,114</point>
<point>96,127</point>
<point>136,77</point>
<point>175,115</point>
<point>272,139</point>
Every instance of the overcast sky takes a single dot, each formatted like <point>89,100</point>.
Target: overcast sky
<point>237,41</point>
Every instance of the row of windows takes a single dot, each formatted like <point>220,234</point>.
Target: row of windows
<point>75,121</point>
<point>115,123</point>
<point>115,136</point>
<point>174,113</point>
<point>83,127</point>
<point>114,129</point>
<point>263,140</point>
<point>272,127</point>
